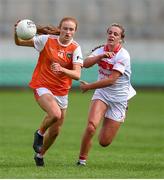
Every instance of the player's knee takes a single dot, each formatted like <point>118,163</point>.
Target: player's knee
<point>91,128</point>
<point>55,116</point>
<point>104,143</point>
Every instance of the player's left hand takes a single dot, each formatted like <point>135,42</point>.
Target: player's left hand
<point>56,68</point>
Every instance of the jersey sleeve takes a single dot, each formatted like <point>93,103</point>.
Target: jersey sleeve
<point>121,64</point>
<point>77,56</point>
<point>96,52</point>
<point>40,41</point>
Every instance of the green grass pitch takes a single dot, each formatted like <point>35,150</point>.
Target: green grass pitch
<point>136,152</point>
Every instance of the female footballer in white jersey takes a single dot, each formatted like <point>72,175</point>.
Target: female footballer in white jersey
<point>112,90</point>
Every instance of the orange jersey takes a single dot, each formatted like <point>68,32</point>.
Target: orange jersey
<point>52,51</point>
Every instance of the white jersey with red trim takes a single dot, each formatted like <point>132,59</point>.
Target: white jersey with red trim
<point>121,90</point>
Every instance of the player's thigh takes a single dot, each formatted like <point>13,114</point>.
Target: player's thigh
<point>97,111</point>
<point>108,131</point>
<point>49,104</point>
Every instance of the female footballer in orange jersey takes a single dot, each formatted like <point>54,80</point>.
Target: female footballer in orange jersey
<point>57,65</point>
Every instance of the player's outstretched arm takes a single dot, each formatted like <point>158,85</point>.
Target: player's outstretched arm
<point>90,61</point>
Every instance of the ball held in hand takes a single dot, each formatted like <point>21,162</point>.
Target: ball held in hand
<point>26,29</point>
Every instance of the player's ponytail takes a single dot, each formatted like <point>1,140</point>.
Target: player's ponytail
<point>48,30</point>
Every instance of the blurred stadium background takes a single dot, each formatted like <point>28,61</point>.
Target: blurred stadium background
<point>142,19</point>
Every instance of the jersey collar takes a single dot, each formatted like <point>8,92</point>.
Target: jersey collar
<point>65,45</point>
<point>115,50</point>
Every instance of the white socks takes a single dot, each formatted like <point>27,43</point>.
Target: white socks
<point>40,133</point>
<point>39,156</point>
<point>82,161</point>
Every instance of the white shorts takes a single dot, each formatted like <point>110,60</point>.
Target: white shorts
<point>62,101</point>
<point>116,110</point>
<point>132,92</point>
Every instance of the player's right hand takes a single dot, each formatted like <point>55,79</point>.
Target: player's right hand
<point>109,54</point>
<point>83,86</point>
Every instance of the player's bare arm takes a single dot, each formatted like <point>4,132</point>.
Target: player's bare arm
<point>102,83</point>
<point>74,73</point>
<point>21,42</point>
<point>90,61</point>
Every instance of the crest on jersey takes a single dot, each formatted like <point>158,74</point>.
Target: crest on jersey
<point>61,54</point>
<point>69,55</point>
